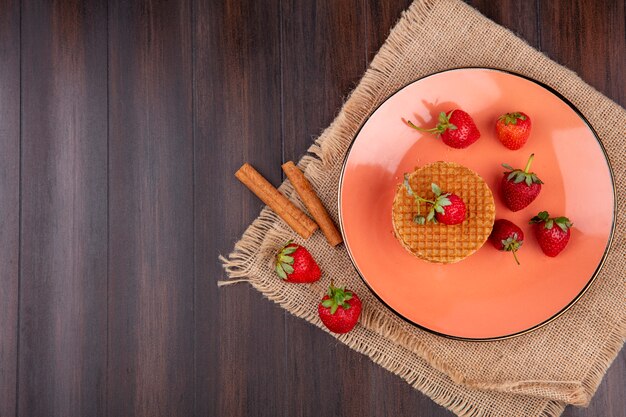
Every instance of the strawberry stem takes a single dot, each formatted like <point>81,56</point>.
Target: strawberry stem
<point>515,256</point>
<point>530,161</point>
<point>418,198</point>
<point>410,124</point>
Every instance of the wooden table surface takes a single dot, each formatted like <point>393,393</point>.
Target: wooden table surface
<point>121,125</point>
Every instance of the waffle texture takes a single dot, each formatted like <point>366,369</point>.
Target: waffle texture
<point>438,242</point>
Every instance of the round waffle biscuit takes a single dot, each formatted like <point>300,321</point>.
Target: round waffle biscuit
<point>439,242</point>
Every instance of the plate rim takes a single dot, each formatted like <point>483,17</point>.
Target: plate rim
<point>558,313</point>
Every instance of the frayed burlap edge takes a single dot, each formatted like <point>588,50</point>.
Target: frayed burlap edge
<point>327,151</point>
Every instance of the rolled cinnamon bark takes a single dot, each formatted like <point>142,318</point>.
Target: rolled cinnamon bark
<point>313,203</point>
<point>293,216</point>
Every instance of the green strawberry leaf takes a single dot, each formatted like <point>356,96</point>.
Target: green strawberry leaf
<point>406,184</point>
<point>280,271</point>
<point>289,250</point>
<point>338,298</point>
<point>511,118</point>
<point>540,218</point>
<point>549,224</point>
<point>528,180</point>
<point>431,216</point>
<point>452,126</point>
<point>519,175</point>
<point>419,219</point>
<point>436,189</point>
<point>563,223</point>
<point>284,261</point>
<point>440,210</point>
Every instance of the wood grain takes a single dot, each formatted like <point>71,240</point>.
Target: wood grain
<point>9,200</point>
<point>588,37</point>
<point>315,81</point>
<point>121,125</point>
<point>151,283</point>
<point>521,17</point>
<point>380,18</point>
<point>237,119</point>
<point>63,260</point>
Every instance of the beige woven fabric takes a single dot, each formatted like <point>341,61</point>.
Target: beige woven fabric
<point>532,375</point>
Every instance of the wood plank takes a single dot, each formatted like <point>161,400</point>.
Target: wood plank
<point>324,56</point>
<point>9,199</point>
<point>518,16</point>
<point>381,17</point>
<point>247,359</point>
<point>240,335</point>
<point>151,304</point>
<point>62,346</point>
<point>589,38</point>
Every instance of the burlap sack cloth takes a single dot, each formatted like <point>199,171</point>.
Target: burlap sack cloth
<point>536,374</point>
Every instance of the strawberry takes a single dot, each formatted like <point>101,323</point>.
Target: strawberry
<point>450,214</point>
<point>456,129</point>
<point>513,129</point>
<point>552,240</point>
<point>519,188</point>
<point>506,236</point>
<point>339,310</point>
<point>446,208</point>
<point>294,263</point>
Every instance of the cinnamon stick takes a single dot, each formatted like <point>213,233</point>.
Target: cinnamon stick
<point>313,203</point>
<point>293,216</point>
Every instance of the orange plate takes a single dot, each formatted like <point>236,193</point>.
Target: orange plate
<point>486,296</point>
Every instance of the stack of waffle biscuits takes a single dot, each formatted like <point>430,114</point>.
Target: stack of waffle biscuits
<point>438,242</point>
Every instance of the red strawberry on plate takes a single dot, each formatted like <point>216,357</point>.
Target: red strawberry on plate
<point>507,236</point>
<point>449,208</point>
<point>294,263</point>
<point>513,129</point>
<point>552,233</point>
<point>446,208</point>
<point>456,129</point>
<point>339,310</point>
<point>519,188</point>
